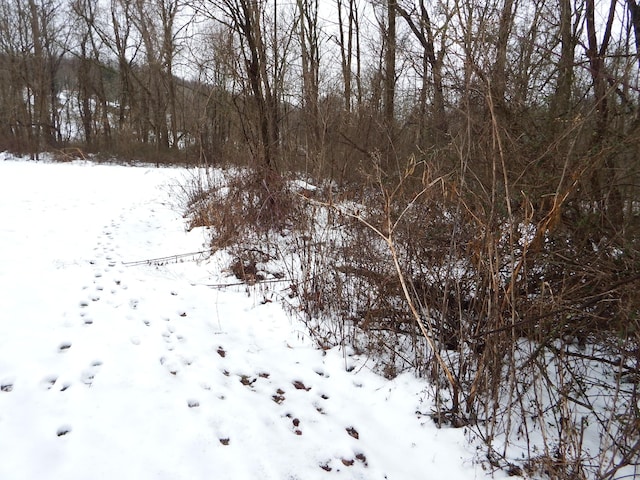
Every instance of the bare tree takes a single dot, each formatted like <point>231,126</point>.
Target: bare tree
<point>349,44</point>
<point>93,103</point>
<point>568,43</point>
<point>310,49</point>
<point>419,21</point>
<point>499,73</point>
<point>634,11</point>
<point>245,19</point>
<point>609,200</point>
<point>389,73</point>
<point>33,41</point>
<point>117,35</point>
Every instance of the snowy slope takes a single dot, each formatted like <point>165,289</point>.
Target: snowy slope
<point>118,370</point>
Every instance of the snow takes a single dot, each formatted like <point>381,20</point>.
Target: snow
<point>116,367</point>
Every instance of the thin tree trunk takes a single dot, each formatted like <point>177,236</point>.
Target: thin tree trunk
<point>562,104</point>
<point>390,68</point>
<point>498,79</point>
<point>345,55</point>
<point>610,203</point>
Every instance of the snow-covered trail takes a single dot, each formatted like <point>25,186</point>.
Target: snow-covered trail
<point>117,371</point>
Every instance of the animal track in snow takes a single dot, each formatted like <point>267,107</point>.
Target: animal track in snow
<point>63,430</point>
<point>170,365</point>
<point>300,386</point>
<point>87,377</point>
<point>353,433</point>
<point>279,396</point>
<point>247,381</point>
<point>49,382</point>
<point>295,422</point>
<point>6,387</point>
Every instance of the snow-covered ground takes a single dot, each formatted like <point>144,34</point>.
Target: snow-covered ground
<point>111,368</point>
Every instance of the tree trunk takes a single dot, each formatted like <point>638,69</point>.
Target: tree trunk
<point>610,203</point>
<point>308,18</point>
<point>562,103</point>
<point>499,74</point>
<point>390,68</point>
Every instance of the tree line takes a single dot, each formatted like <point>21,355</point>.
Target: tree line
<point>550,86</point>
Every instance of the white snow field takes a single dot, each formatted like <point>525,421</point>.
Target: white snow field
<point>111,370</point>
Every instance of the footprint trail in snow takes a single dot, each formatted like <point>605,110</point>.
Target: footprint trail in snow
<point>113,367</point>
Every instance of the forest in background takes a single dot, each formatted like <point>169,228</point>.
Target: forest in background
<point>321,86</point>
<point>474,214</point>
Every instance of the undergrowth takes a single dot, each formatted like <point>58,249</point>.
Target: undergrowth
<point>529,331</point>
